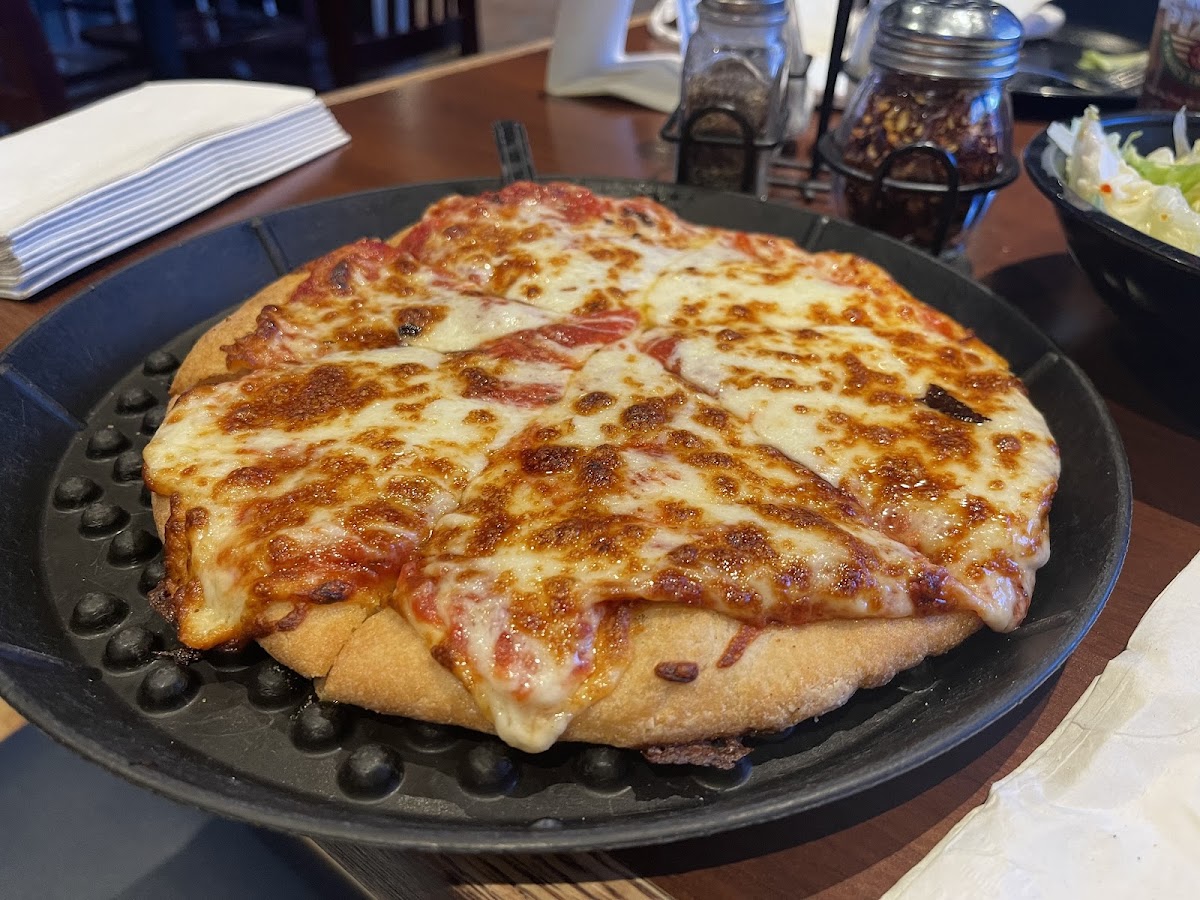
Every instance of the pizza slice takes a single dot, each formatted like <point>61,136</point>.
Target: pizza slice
<point>557,246</point>
<point>308,487</point>
<point>365,296</point>
<point>936,437</point>
<point>742,281</point>
<point>634,490</point>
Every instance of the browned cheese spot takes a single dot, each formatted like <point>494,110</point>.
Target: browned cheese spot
<point>622,257</point>
<point>903,475</point>
<point>860,377</point>
<point>1008,446</point>
<point>361,335</point>
<point>977,510</point>
<point>195,518</point>
<point>413,491</point>
<point>646,415</point>
<point>676,512</point>
<point>725,486</point>
<point>948,438</point>
<point>594,402</point>
<point>612,536</point>
<point>413,321</point>
<point>479,417</point>
<point>292,401</point>
<point>249,477</point>
<point>684,554</point>
<point>926,590</point>
<point>674,586</point>
<point>408,369</point>
<point>548,459</point>
<point>490,532</point>
<point>712,417</point>
<point>684,440</point>
<point>509,271</point>
<point>599,468</point>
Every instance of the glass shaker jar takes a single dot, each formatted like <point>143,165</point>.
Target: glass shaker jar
<point>733,107</point>
<point>932,109</point>
<point>1173,73</point>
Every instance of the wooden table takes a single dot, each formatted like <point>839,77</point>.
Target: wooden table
<point>435,125</point>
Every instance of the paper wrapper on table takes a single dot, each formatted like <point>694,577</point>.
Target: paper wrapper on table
<point>1109,805</point>
<point>87,184</point>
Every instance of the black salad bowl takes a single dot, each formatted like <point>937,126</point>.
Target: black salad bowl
<point>1152,286</point>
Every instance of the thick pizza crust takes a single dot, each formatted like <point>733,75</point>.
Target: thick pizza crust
<point>785,676</point>
<point>309,647</point>
<point>376,660</point>
<point>312,647</point>
<point>206,361</point>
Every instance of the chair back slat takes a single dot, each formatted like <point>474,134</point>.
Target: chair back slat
<point>31,89</point>
<point>431,25</point>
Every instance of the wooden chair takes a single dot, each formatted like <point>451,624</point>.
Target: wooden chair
<point>401,29</point>
<point>31,89</point>
<point>220,39</point>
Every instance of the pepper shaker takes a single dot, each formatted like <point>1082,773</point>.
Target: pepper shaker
<point>933,110</point>
<point>734,93</point>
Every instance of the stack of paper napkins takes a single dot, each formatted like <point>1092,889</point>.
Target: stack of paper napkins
<point>1109,805</point>
<point>89,183</point>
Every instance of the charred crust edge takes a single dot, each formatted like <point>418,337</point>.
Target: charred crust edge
<point>719,753</point>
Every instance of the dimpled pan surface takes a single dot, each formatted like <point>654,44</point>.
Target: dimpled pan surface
<point>87,660</point>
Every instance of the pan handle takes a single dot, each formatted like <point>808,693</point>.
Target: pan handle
<point>512,144</point>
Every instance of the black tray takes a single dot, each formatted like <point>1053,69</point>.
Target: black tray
<point>83,389</point>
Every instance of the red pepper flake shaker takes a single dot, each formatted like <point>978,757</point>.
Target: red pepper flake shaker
<point>932,110</point>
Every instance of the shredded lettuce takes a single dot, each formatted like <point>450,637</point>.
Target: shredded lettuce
<point>1158,194</point>
<point>1095,61</point>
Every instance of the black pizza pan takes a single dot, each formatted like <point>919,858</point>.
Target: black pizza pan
<point>83,656</point>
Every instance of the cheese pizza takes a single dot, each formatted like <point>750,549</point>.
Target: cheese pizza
<point>561,466</point>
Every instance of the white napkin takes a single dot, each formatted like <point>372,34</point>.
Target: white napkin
<point>87,184</point>
<point>588,58</point>
<point>1109,805</point>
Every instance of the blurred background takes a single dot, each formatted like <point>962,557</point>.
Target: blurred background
<point>97,47</point>
<point>56,55</point>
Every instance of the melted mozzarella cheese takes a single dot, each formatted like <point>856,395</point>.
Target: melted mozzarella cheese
<point>783,441</point>
<point>372,296</point>
<point>554,246</point>
<point>849,404</point>
<point>721,285</point>
<point>633,488</point>
<point>314,483</point>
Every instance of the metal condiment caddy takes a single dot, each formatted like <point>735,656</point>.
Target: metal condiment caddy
<point>927,188</point>
<point>733,108</point>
